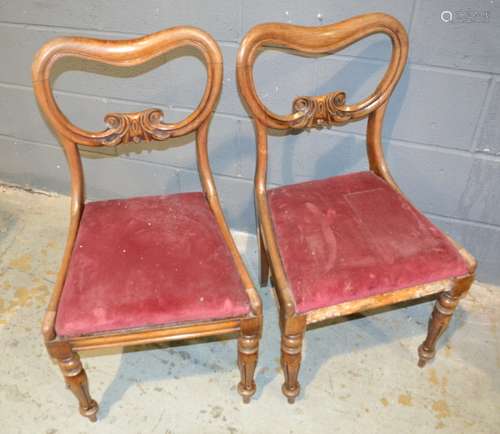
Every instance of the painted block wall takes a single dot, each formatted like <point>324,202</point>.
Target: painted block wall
<point>442,132</point>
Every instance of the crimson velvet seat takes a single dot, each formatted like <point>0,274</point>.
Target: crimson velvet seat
<point>345,244</point>
<point>149,261</point>
<point>146,269</point>
<point>353,236</point>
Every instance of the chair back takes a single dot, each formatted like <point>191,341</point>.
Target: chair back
<point>329,109</point>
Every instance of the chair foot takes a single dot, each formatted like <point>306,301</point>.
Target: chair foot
<point>76,380</point>
<point>290,394</point>
<point>441,315</point>
<point>291,355</point>
<point>91,415</point>
<point>424,356</point>
<point>246,399</point>
<point>246,395</point>
<point>248,349</point>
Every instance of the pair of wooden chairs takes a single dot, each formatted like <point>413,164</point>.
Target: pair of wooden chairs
<point>165,268</point>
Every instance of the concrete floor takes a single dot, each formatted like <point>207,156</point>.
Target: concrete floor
<point>358,376</point>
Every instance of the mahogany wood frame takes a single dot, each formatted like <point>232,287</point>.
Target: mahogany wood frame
<point>122,128</point>
<point>327,110</point>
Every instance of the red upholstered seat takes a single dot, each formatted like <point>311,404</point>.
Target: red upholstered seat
<point>148,261</point>
<point>351,237</point>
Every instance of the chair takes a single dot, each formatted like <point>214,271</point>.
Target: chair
<point>348,243</point>
<point>146,269</point>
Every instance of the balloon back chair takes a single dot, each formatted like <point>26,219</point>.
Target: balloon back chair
<point>146,269</point>
<point>349,243</point>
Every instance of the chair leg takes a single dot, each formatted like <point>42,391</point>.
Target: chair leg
<point>248,350</point>
<point>291,356</point>
<point>76,380</point>
<point>441,315</point>
<point>263,262</point>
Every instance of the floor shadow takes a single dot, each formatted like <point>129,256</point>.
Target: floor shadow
<point>148,363</point>
<point>356,333</point>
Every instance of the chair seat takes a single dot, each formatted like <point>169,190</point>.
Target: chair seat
<point>352,236</point>
<point>148,261</point>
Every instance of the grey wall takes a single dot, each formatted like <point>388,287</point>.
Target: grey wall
<point>442,133</point>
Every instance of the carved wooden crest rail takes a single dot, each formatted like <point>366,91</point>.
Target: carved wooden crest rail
<point>319,111</point>
<point>126,127</point>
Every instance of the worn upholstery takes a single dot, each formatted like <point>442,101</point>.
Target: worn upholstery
<point>351,237</point>
<point>148,261</point>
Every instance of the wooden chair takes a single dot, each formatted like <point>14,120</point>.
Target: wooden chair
<point>349,243</point>
<point>145,269</point>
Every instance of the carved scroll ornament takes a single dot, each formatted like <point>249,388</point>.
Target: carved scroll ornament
<point>134,127</point>
<point>319,111</point>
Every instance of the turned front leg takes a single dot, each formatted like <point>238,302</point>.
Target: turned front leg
<point>291,356</point>
<point>248,349</point>
<point>441,315</point>
<point>76,379</point>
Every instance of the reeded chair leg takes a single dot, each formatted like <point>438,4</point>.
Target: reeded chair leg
<point>76,380</point>
<point>441,315</point>
<point>291,356</point>
<point>248,350</point>
<point>263,262</point>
